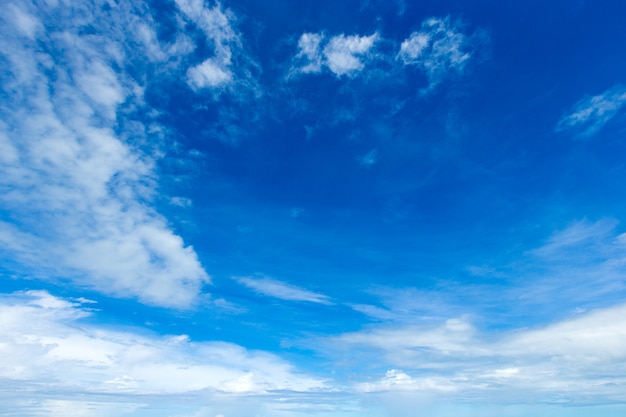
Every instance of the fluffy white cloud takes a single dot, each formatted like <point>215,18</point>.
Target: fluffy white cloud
<point>342,55</point>
<point>590,114</point>
<point>439,48</point>
<point>277,289</point>
<point>49,348</point>
<point>77,190</point>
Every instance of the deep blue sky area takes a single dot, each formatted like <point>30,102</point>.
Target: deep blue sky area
<point>372,208</point>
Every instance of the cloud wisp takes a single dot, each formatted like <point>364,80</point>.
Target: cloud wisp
<point>439,49</point>
<point>277,289</point>
<point>590,114</point>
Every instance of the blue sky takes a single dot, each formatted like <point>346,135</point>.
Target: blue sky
<point>372,208</point>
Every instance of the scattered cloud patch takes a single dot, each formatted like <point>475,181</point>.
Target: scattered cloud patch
<point>590,114</point>
<point>439,48</point>
<point>277,289</point>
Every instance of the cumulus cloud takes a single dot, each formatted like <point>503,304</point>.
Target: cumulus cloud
<point>273,288</point>
<point>50,349</point>
<point>78,192</point>
<point>438,49</point>
<point>342,55</point>
<point>590,114</point>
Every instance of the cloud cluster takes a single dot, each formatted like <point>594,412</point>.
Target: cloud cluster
<point>48,343</point>
<point>438,49</point>
<point>73,172</point>
<point>590,114</point>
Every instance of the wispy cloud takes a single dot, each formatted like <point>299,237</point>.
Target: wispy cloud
<point>273,288</point>
<point>78,191</point>
<point>439,49</point>
<point>369,158</point>
<point>590,114</point>
<point>342,55</point>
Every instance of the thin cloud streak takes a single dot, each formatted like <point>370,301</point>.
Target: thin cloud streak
<point>277,289</point>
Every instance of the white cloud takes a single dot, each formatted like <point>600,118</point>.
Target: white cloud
<point>216,25</point>
<point>277,289</point>
<point>208,74</point>
<point>78,192</point>
<point>342,55</point>
<point>49,347</point>
<point>310,52</point>
<point>590,114</point>
<point>438,49</point>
